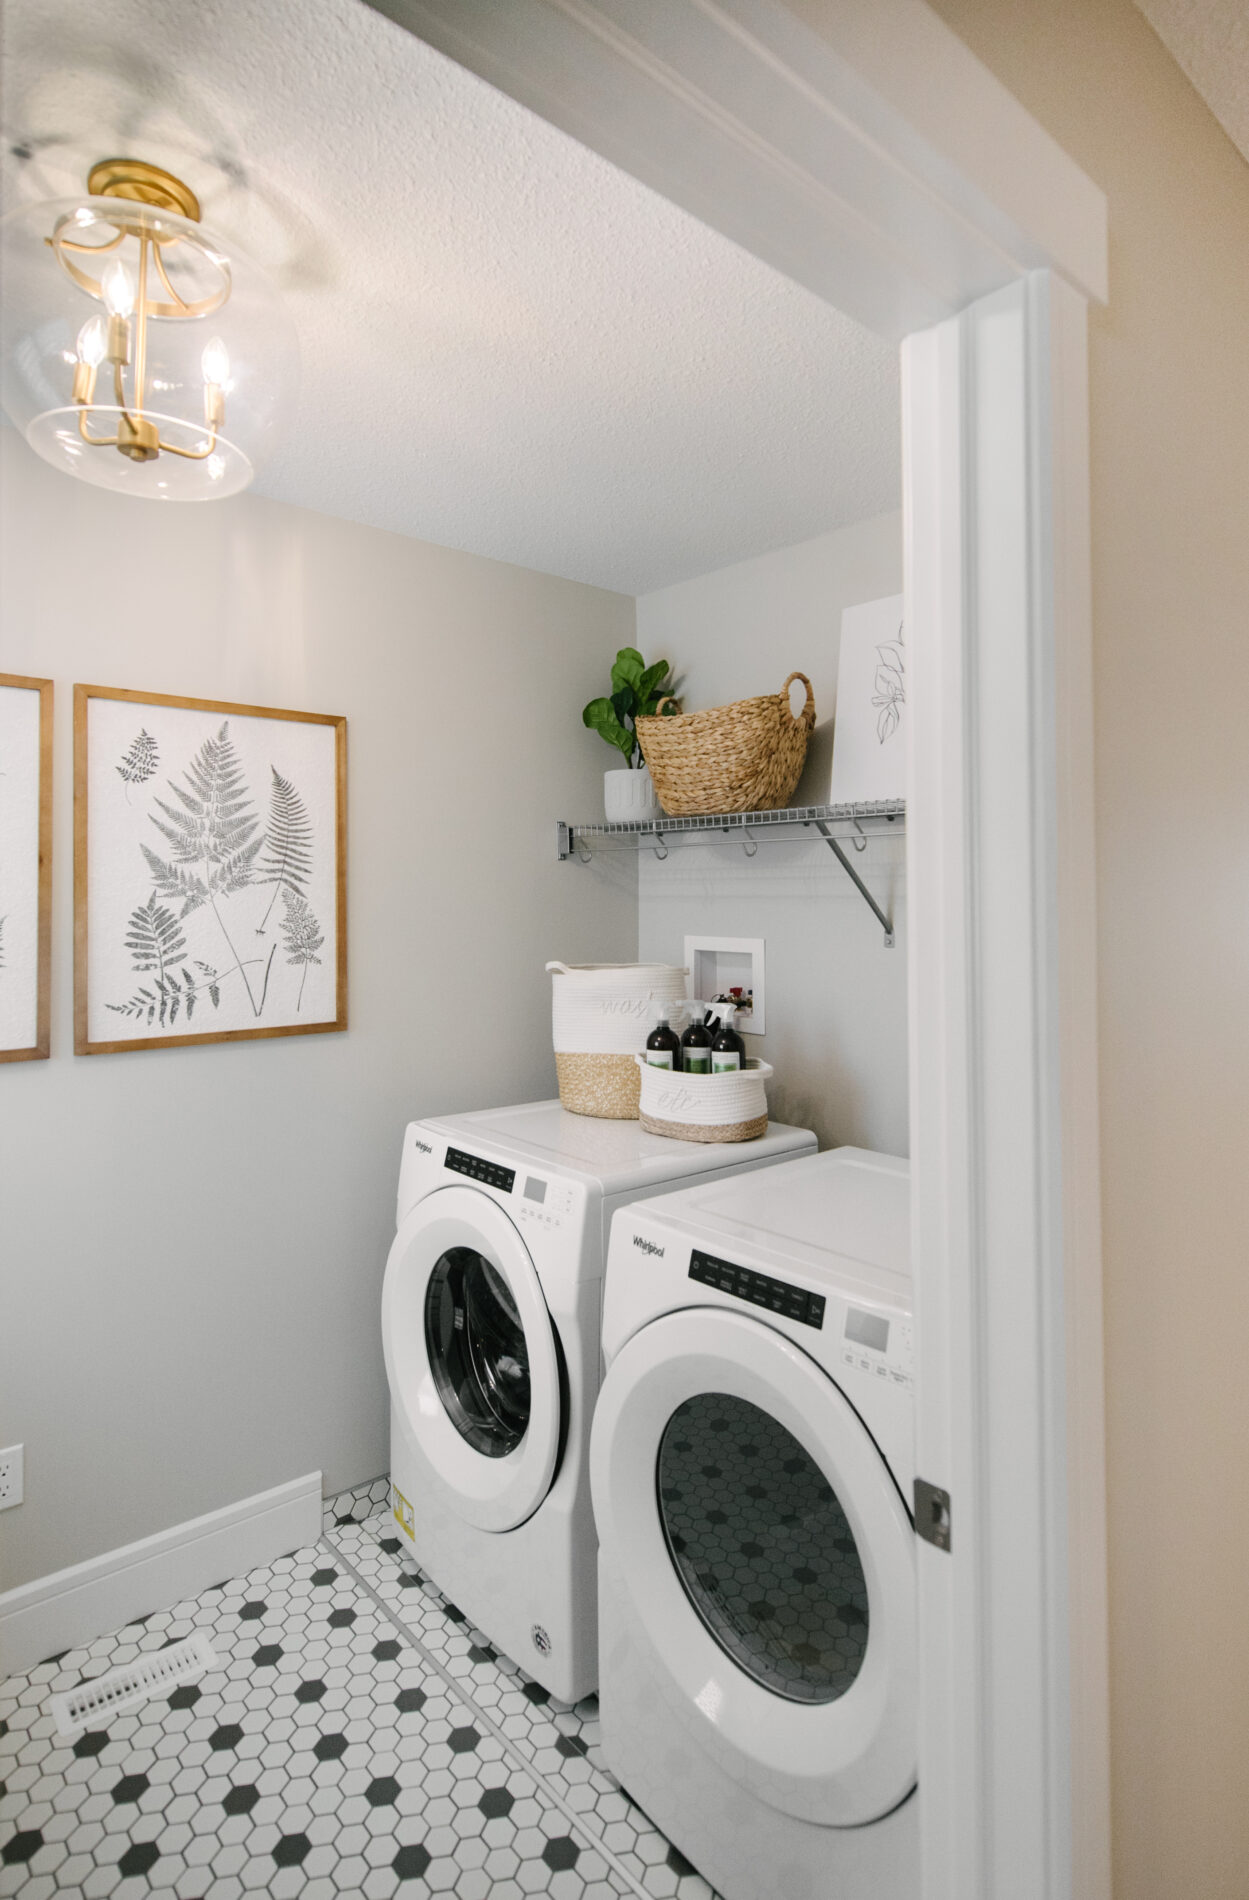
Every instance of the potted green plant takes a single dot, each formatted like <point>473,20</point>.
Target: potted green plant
<point>636,690</point>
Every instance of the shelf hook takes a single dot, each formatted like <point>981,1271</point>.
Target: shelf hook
<point>749,845</point>
<point>583,851</point>
<point>860,840</point>
<point>661,849</point>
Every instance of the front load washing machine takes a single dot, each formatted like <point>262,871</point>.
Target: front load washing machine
<point>491,1314</point>
<point>752,1463</point>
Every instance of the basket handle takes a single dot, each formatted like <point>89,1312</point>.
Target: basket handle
<point>561,967</point>
<point>807,716</point>
<point>669,699</point>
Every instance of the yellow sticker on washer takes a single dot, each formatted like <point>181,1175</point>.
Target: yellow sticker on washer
<point>404,1516</point>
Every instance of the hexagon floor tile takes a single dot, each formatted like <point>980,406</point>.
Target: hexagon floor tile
<point>338,1748</point>
<point>559,1742</point>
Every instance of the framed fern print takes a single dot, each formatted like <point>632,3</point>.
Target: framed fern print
<point>209,871</point>
<point>25,866</point>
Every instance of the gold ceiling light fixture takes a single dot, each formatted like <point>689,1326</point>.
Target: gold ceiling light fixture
<point>174,385</point>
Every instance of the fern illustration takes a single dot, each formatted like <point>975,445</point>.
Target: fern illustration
<point>303,935</point>
<point>890,682</point>
<point>162,1003</point>
<point>214,827</point>
<point>173,880</point>
<point>154,937</point>
<point>139,761</point>
<point>287,863</point>
<point>216,823</point>
<point>155,941</point>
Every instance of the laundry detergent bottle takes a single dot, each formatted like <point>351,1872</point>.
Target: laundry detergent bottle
<point>728,1051</point>
<point>696,1044</point>
<point>663,1045</point>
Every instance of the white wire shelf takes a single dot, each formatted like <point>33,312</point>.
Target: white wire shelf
<point>834,824</point>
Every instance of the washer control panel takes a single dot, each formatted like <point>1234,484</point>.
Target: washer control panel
<point>543,1202</point>
<point>760,1289</point>
<point>478,1170</point>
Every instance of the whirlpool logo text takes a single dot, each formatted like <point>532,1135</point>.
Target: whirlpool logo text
<point>647,1246</point>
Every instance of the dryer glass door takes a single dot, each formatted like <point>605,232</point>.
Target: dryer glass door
<point>763,1548</point>
<point>762,1556</point>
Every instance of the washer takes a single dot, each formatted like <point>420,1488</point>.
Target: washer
<point>491,1312</point>
<point>752,1464</point>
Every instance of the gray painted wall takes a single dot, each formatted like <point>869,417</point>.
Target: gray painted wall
<point>193,1239</point>
<point>836,999</point>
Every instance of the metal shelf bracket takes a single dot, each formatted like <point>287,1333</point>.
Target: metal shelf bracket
<point>886,923</point>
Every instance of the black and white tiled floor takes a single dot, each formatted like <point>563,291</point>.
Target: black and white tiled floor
<point>358,1737</point>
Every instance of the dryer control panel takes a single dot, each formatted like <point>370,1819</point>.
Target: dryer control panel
<point>877,1343</point>
<point>746,1283</point>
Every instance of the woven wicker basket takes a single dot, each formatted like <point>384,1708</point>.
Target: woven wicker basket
<point>743,757</point>
<point>606,1087</point>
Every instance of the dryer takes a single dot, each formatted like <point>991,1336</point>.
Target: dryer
<point>491,1316</point>
<point>752,1467</point>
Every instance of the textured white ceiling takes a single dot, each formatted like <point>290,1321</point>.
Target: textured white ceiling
<point>1209,39</point>
<point>508,345</point>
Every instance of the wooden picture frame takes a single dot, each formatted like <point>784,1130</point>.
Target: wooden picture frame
<point>26,860</point>
<point>184,819</point>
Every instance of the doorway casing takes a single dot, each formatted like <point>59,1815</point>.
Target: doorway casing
<point>859,147</point>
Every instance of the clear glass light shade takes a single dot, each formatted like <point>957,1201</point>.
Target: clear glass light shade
<point>133,323</point>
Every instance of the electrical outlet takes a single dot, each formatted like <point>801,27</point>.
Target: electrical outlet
<point>11,1476</point>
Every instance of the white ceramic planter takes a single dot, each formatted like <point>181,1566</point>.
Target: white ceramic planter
<point>628,796</point>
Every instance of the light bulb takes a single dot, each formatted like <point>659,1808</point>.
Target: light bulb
<point>215,362</point>
<point>92,342</point>
<point>117,289</point>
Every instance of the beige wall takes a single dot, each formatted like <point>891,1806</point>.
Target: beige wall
<point>1170,454</point>
<point>836,998</point>
<point>192,1240</point>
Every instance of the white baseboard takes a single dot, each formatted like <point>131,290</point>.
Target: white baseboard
<point>74,1606</point>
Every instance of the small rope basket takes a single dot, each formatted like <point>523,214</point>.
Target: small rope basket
<point>731,1106</point>
<point>744,757</point>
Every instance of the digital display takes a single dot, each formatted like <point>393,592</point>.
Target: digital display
<point>867,1329</point>
<point>535,1190</point>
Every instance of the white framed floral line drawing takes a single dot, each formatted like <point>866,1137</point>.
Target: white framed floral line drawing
<point>25,867</point>
<point>210,868</point>
<point>871,724</point>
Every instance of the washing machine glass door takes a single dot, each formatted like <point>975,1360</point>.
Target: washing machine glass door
<point>763,1549</point>
<point>471,1357</point>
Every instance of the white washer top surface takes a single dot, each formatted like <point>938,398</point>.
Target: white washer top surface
<point>846,1213</point>
<point>616,1156</point>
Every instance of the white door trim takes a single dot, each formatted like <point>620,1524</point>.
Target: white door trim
<point>1013,1760</point>
<point>860,148</point>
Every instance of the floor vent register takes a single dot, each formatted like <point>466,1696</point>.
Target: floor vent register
<point>135,1682</point>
